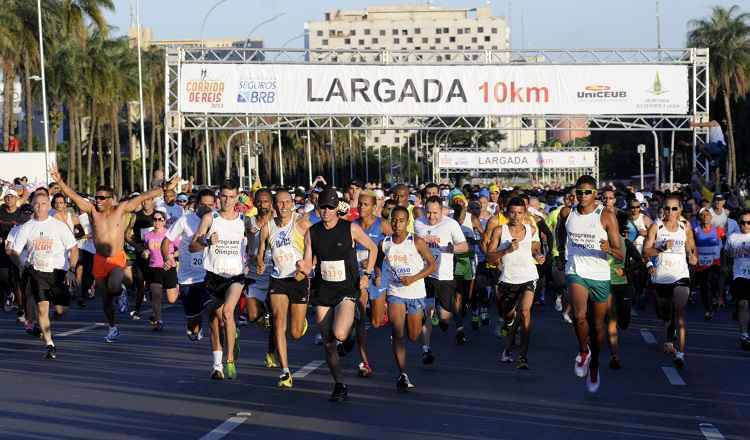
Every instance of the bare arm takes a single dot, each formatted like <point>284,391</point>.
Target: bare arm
<point>649,246</point>
<point>690,247</point>
<point>308,260</point>
<point>430,265</point>
<point>82,204</point>
<point>260,258</point>
<point>495,255</point>
<point>133,204</point>
<point>359,236</point>
<point>609,221</point>
<point>492,224</point>
<point>196,244</point>
<point>561,233</point>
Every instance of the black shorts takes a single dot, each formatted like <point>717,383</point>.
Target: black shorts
<point>48,286</point>
<point>297,291</point>
<point>157,275</point>
<point>511,293</point>
<point>666,291</point>
<point>741,288</point>
<point>195,299</point>
<point>486,276</point>
<point>217,286</point>
<point>442,290</point>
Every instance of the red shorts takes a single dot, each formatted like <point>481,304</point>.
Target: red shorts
<point>104,265</point>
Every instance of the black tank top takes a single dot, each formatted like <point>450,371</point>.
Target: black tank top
<point>336,273</point>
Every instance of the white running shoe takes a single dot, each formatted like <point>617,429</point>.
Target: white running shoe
<point>581,365</point>
<point>112,335</point>
<point>558,304</point>
<point>679,359</point>
<point>506,357</point>
<point>122,301</point>
<point>593,380</point>
<point>566,318</point>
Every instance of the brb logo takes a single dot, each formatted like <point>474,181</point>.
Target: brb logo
<point>257,91</point>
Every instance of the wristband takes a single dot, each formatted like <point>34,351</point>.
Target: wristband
<point>205,242</point>
<point>368,274</point>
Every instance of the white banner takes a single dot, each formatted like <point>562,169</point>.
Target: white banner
<point>517,160</point>
<point>428,90</point>
<point>28,164</point>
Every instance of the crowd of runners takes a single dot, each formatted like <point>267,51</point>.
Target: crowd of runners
<point>370,255</point>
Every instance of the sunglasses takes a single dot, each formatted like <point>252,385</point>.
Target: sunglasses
<point>332,208</point>
<point>100,198</point>
<point>743,223</point>
<point>585,192</point>
<point>182,202</point>
<point>159,219</point>
<point>635,207</point>
<point>672,208</point>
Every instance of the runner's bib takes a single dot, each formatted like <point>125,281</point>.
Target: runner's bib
<point>333,271</point>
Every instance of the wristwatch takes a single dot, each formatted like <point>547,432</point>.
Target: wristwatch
<point>367,273</point>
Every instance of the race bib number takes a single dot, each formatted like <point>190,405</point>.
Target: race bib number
<point>284,259</point>
<point>197,261</point>
<point>333,271</point>
<point>705,260</point>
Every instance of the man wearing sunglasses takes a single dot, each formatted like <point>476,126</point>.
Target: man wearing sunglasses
<point>108,220</point>
<point>337,281</point>
<point>591,236</point>
<point>738,247</point>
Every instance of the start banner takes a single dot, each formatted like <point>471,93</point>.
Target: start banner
<point>522,161</point>
<point>429,90</point>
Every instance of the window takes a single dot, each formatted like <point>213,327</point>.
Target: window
<point>473,39</point>
<point>418,48</point>
<point>494,47</point>
<point>394,32</point>
<point>319,33</point>
<point>352,32</point>
<point>377,139</point>
<point>494,30</point>
<point>404,31</point>
<point>446,31</point>
<point>452,39</point>
<point>374,41</point>
<point>324,42</point>
<point>409,39</point>
<point>382,32</point>
<point>447,57</point>
<point>347,41</point>
<point>396,139</point>
<point>367,32</point>
<point>439,31</point>
<point>432,47</point>
<point>417,31</point>
<point>460,31</point>
<point>382,131</point>
<point>480,29</point>
<point>437,40</point>
<point>467,30</point>
<point>486,38</point>
<point>461,46</point>
<point>480,47</point>
<point>425,40</point>
<point>332,33</point>
<point>439,58</point>
<point>396,41</point>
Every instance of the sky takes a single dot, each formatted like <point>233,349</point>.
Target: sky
<point>535,24</point>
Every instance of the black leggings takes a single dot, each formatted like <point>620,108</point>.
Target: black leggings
<point>707,281</point>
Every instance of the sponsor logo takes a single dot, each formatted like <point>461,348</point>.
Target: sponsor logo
<point>206,90</point>
<point>656,88</point>
<point>659,100</point>
<point>257,91</point>
<point>601,92</point>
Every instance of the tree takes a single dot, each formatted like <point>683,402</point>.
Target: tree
<point>727,35</point>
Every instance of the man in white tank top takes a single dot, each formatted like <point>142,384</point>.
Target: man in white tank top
<point>738,247</point>
<point>591,235</point>
<point>221,237</point>
<point>288,292</point>
<point>518,246</point>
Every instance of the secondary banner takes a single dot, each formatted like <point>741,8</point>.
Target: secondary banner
<point>517,160</point>
<point>425,90</point>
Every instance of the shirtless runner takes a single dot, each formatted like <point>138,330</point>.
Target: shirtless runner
<point>109,223</point>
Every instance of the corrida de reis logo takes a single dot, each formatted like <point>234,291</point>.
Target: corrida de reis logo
<point>257,91</point>
<point>206,90</point>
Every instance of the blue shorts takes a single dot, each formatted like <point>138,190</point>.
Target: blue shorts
<point>374,292</point>
<point>413,306</point>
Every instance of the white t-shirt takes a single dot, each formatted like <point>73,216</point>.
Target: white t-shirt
<point>438,237</point>
<point>738,246</point>
<point>11,238</point>
<point>86,244</point>
<point>47,242</point>
<point>190,270</point>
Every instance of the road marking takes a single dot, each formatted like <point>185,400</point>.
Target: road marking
<point>226,427</point>
<point>648,336</point>
<point>710,432</point>
<point>673,376</point>
<point>307,369</point>
<point>80,330</point>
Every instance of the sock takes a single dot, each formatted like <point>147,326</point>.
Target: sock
<point>425,348</point>
<point>50,343</point>
<point>285,371</point>
<point>218,356</point>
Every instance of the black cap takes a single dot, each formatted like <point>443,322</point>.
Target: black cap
<point>329,198</point>
<point>356,183</point>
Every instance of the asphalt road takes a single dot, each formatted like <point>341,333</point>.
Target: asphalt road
<point>157,386</point>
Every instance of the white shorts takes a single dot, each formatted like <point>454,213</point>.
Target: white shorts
<point>259,289</point>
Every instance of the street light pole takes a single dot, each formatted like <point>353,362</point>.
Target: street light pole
<point>140,103</point>
<point>44,90</point>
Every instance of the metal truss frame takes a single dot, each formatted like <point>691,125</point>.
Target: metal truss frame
<point>175,121</point>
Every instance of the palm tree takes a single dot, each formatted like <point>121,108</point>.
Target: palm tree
<point>727,35</point>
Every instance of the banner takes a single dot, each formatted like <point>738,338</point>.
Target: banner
<point>428,90</point>
<point>28,164</point>
<point>522,161</point>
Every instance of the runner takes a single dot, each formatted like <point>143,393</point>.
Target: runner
<point>738,247</point>
<point>142,222</point>
<point>465,266</point>
<point>288,291</point>
<point>221,237</point>
<point>10,216</point>
<point>673,246</point>
<point>709,241</point>
<point>51,272</point>
<point>336,274</point>
<point>519,248</point>
<point>190,271</point>
<point>109,223</point>
<point>591,235</point>
<point>407,261</point>
<point>444,237</point>
<point>160,279</point>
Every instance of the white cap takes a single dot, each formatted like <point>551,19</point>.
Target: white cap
<point>10,192</point>
<point>379,193</point>
<point>639,197</point>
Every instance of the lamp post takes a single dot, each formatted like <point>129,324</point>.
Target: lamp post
<point>140,104</point>
<point>44,89</point>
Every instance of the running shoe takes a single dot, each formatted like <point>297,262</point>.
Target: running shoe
<point>318,339</point>
<point>270,360</point>
<point>340,393</point>
<point>745,342</point>
<point>427,357</point>
<point>9,303</point>
<point>523,363</point>
<point>404,384</point>
<point>217,374</point>
<point>51,352</point>
<point>237,344</point>
<point>28,326</point>
<point>112,335</point>
<point>364,369</point>
<point>231,370</point>
<point>566,318</point>
<point>558,304</point>
<point>679,359</point>
<point>192,336</point>
<point>21,319</point>
<point>159,326</point>
<point>475,319</point>
<point>435,320</point>
<point>593,380</point>
<point>484,316</point>
<point>200,334</point>
<point>581,366</point>
<point>285,381</point>
<point>614,363</point>
<point>708,316</point>
<point>460,336</point>
<point>135,315</point>
<point>506,357</point>
<point>122,301</point>
<point>669,348</point>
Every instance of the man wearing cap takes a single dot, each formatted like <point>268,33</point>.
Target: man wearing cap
<point>10,216</point>
<point>337,281</point>
<point>719,214</point>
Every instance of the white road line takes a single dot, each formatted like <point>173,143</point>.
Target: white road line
<point>80,330</point>
<point>226,427</point>
<point>710,432</point>
<point>673,376</point>
<point>307,369</point>
<point>648,336</point>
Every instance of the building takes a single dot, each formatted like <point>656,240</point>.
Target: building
<point>147,40</point>
<point>417,27</point>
